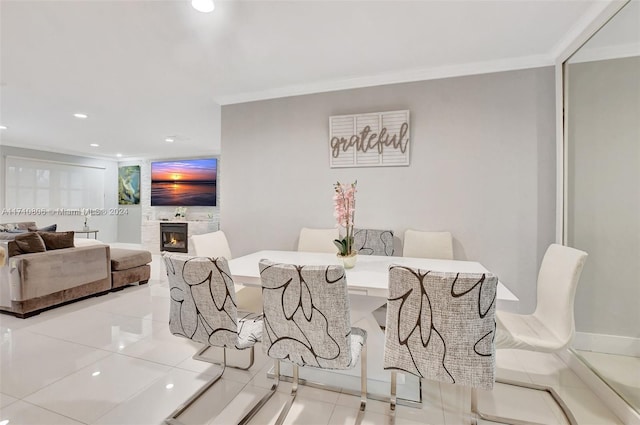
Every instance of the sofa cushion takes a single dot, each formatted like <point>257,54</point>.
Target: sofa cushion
<point>123,259</point>
<point>27,243</point>
<point>50,228</point>
<point>21,225</point>
<point>57,240</point>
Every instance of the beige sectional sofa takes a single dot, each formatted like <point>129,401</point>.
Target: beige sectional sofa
<point>59,273</point>
<point>31,282</point>
<point>42,280</point>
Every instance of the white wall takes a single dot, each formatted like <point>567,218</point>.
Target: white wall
<point>107,225</point>
<point>482,167</point>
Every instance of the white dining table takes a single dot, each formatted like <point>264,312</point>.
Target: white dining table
<point>370,275</point>
<point>368,285</point>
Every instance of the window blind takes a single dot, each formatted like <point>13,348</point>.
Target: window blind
<point>33,183</point>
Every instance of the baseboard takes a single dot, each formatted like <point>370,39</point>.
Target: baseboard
<point>609,397</point>
<point>611,344</point>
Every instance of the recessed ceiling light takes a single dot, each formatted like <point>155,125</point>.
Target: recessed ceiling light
<point>94,145</point>
<point>96,373</point>
<point>169,140</point>
<point>168,386</point>
<point>204,6</point>
<point>119,155</point>
<point>81,116</point>
<point>3,127</point>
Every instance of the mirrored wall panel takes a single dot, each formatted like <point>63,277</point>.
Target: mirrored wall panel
<point>602,119</point>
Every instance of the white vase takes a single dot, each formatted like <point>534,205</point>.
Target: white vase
<point>348,261</point>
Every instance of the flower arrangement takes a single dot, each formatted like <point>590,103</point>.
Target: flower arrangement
<point>181,212</point>
<point>344,201</point>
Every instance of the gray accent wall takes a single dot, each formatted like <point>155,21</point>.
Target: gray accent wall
<point>482,167</point>
<point>603,198</point>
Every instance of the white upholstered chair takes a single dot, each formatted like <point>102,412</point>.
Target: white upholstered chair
<point>440,326</point>
<point>307,323</point>
<point>551,327</point>
<point>216,245</point>
<point>203,309</point>
<point>213,244</point>
<point>438,245</point>
<point>318,240</point>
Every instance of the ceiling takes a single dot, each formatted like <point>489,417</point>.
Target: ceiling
<point>147,70</point>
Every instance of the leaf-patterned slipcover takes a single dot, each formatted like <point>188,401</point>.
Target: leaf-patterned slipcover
<point>441,326</point>
<point>306,316</point>
<point>203,303</point>
<point>373,242</point>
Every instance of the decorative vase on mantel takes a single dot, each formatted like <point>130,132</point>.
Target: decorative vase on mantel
<point>348,261</point>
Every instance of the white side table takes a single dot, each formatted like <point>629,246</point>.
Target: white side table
<point>88,232</point>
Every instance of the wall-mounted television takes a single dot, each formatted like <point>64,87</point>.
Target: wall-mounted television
<point>184,183</point>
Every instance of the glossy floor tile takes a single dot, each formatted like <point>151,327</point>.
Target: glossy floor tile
<point>111,360</point>
<point>25,413</point>
<point>31,361</point>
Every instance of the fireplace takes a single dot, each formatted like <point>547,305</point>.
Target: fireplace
<point>173,237</point>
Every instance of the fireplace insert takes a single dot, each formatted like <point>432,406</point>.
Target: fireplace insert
<point>173,237</point>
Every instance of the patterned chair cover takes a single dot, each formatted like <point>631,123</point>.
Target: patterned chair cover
<point>203,303</point>
<point>373,242</point>
<point>441,326</point>
<point>306,316</point>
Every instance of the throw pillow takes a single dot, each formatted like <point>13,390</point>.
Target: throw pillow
<point>57,240</point>
<point>29,243</point>
<point>50,228</point>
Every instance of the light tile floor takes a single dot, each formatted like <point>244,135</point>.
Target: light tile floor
<point>112,360</point>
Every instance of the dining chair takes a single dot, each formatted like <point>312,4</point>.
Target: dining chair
<point>307,323</point>
<point>440,326</point>
<point>203,309</point>
<point>419,244</point>
<point>373,242</point>
<point>318,240</point>
<point>214,245</point>
<point>551,327</point>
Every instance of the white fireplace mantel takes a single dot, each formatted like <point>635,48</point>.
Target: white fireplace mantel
<point>151,232</point>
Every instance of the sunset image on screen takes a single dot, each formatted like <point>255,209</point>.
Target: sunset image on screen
<point>192,170</point>
<point>184,183</point>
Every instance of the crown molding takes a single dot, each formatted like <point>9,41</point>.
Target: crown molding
<point>592,20</point>
<point>422,74</point>
<point>61,151</point>
<point>609,52</point>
